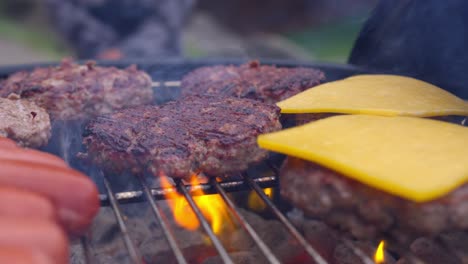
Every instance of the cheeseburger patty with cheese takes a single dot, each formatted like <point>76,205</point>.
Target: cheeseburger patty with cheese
<point>374,176</point>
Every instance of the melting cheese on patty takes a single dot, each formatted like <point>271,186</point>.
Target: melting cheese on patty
<point>413,158</point>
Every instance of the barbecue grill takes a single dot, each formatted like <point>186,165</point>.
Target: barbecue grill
<point>114,195</point>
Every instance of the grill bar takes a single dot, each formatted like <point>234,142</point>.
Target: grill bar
<point>166,84</point>
<point>259,242</point>
<point>206,226</point>
<point>364,257</point>
<point>165,228</point>
<point>151,195</point>
<point>133,253</point>
<point>287,224</point>
<point>161,193</point>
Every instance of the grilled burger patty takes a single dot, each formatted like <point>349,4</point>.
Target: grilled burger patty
<point>268,84</point>
<point>24,122</point>
<point>71,91</point>
<point>365,211</point>
<point>213,135</point>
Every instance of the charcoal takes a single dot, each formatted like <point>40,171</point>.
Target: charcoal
<point>321,237</point>
<point>431,252</point>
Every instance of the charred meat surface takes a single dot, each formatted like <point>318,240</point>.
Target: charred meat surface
<point>24,122</point>
<point>364,211</point>
<point>268,84</point>
<point>71,91</point>
<point>213,135</point>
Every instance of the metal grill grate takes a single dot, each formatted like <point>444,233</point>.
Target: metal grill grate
<point>147,194</point>
<point>221,188</point>
<point>174,70</point>
<point>150,195</point>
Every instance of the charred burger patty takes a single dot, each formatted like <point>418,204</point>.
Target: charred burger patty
<point>24,122</point>
<point>213,135</point>
<point>268,84</point>
<point>365,211</point>
<point>71,91</point>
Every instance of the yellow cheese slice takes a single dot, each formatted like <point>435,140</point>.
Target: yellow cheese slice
<point>414,158</point>
<point>387,95</point>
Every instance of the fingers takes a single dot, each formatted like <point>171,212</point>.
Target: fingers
<point>32,156</point>
<point>74,195</point>
<point>10,151</point>
<point>23,204</point>
<point>7,143</point>
<point>31,235</point>
<point>21,255</point>
<point>60,191</point>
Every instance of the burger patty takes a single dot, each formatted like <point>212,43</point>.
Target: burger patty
<point>268,84</point>
<point>213,135</point>
<point>302,119</point>
<point>367,212</point>
<point>24,122</point>
<point>71,91</point>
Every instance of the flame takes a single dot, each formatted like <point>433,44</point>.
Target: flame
<point>379,256</point>
<point>183,214</point>
<point>255,202</point>
<point>212,207</point>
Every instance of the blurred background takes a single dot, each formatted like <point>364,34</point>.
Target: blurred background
<point>46,30</point>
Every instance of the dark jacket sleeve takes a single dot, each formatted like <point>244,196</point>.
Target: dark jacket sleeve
<point>423,39</point>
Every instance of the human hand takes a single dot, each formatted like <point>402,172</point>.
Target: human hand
<point>41,200</point>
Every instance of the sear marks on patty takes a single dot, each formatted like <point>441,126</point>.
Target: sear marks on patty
<point>367,212</point>
<point>213,135</point>
<point>268,84</point>
<point>71,91</point>
<point>24,122</point>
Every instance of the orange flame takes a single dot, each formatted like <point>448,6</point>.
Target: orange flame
<point>379,256</point>
<point>212,207</point>
<point>183,214</point>
<point>256,203</point>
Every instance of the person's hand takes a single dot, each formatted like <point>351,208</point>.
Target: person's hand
<point>30,236</point>
<point>41,200</point>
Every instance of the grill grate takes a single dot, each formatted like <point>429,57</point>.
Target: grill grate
<point>248,183</point>
<point>132,251</point>
<point>147,194</point>
<point>167,232</point>
<point>263,247</point>
<point>206,226</point>
<point>174,70</point>
<point>287,224</point>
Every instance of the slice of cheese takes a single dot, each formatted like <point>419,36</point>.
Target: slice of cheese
<point>414,158</point>
<point>386,95</point>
